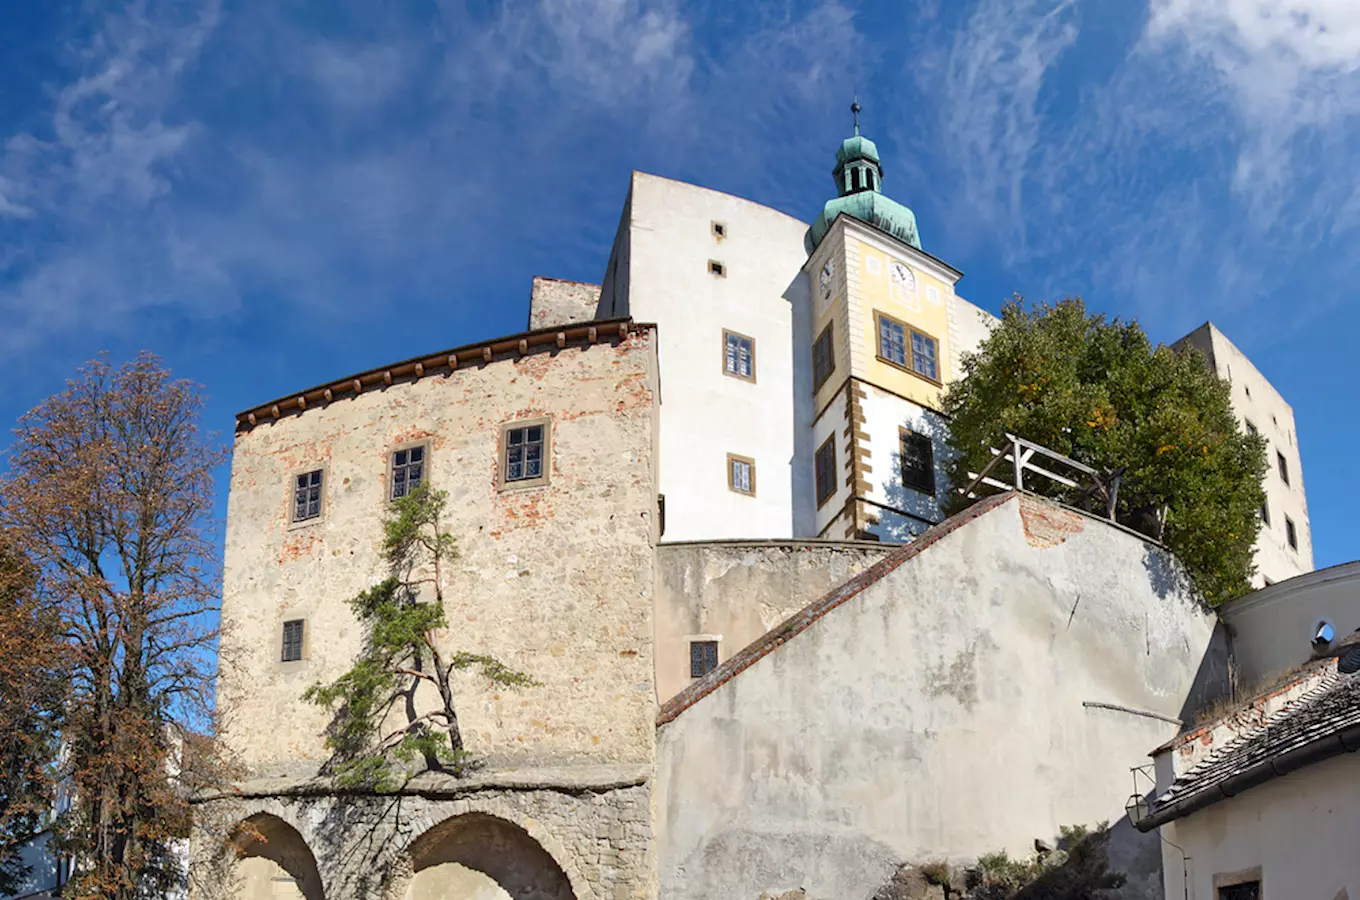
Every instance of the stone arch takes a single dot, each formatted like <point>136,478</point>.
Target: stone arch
<point>478,856</point>
<point>269,853</point>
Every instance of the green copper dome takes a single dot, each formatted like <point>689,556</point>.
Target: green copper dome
<point>859,181</point>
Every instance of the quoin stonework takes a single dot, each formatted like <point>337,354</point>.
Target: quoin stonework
<point>765,661</point>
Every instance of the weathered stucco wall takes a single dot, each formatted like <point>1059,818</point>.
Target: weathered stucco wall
<point>553,302</point>
<point>733,592</point>
<point>555,580</point>
<point>941,710</point>
<point>1299,831</point>
<point>1273,628</point>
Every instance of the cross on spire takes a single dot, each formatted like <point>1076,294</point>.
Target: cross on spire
<point>854,110</point>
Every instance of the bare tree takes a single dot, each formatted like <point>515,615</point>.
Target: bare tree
<point>110,495</point>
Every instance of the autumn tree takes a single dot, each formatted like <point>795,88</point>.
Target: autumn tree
<point>32,689</point>
<point>109,494</point>
<point>1159,420</point>
<point>394,710</point>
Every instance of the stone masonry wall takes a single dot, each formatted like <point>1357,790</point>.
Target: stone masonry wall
<point>554,303</point>
<point>555,580</point>
<point>600,835</point>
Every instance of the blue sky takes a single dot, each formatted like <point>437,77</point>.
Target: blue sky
<point>271,194</point>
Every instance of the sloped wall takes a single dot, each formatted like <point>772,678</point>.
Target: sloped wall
<point>963,697</point>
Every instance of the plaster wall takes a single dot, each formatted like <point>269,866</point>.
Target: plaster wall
<point>1300,831</point>
<point>899,509</point>
<point>1257,403</point>
<point>832,424</point>
<point>556,302</point>
<point>1273,628</point>
<point>941,711</point>
<point>969,326</point>
<point>734,592</point>
<point>555,580</point>
<point>705,413</point>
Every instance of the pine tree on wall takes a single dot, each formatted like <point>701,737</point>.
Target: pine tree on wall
<point>403,615</point>
<point>1099,392</point>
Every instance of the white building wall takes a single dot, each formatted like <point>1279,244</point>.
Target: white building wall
<point>832,422</point>
<point>901,510</point>
<point>1257,402</point>
<point>706,414</point>
<point>1302,831</point>
<point>969,326</point>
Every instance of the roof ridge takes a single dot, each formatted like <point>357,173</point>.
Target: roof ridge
<point>800,621</point>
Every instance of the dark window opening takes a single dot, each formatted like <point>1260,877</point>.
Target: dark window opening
<point>823,359</point>
<point>292,640</point>
<point>1283,466</point>
<point>408,471</point>
<point>717,268</point>
<point>918,462</point>
<point>1290,533</point>
<point>524,453</point>
<point>307,496</point>
<point>1251,429</point>
<point>1265,513</point>
<point>703,658</point>
<point>719,229</point>
<point>859,180</point>
<point>1247,890</point>
<point>826,470</point>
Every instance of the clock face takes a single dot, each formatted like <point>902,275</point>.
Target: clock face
<point>902,276</point>
<point>827,271</point>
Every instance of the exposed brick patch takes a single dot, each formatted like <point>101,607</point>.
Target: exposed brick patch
<point>1047,525</point>
<point>801,621</point>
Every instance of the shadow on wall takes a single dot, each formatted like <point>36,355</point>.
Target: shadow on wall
<point>271,854</point>
<point>915,511</point>
<point>801,470</point>
<point>1215,680</point>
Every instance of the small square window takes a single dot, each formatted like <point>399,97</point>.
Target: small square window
<point>823,358</point>
<point>826,470</point>
<point>918,462</point>
<point>1283,465</point>
<point>1291,534</point>
<point>739,355</point>
<point>741,474</point>
<point>703,658</point>
<point>292,640</point>
<point>719,229</point>
<point>717,268</point>
<point>408,471</point>
<point>525,459</point>
<point>307,496</point>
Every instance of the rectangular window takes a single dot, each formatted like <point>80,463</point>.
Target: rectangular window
<point>292,640</point>
<point>741,474</point>
<point>408,471</point>
<point>823,358</point>
<point>918,461</point>
<point>719,229</point>
<point>525,459</point>
<point>1265,513</point>
<point>1251,429</point>
<point>1291,533</point>
<point>307,496</point>
<point>717,268</point>
<point>703,658</point>
<point>907,348</point>
<point>1283,466</point>
<point>739,355</point>
<point>826,470</point>
<point>1247,890</point>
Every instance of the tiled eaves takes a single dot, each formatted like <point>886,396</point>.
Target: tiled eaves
<point>481,353</point>
<point>799,622</point>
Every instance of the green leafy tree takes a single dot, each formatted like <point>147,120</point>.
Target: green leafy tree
<point>404,615</point>
<point>1099,392</point>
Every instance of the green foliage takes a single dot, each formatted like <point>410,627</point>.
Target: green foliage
<point>1078,870</point>
<point>402,615</point>
<point>1097,391</point>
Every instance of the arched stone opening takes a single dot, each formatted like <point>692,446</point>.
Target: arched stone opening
<point>273,862</point>
<point>481,857</point>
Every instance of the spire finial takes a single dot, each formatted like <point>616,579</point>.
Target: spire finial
<point>854,110</point>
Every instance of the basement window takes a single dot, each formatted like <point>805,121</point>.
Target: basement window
<point>307,496</point>
<point>717,268</point>
<point>1247,890</point>
<point>703,658</point>
<point>292,640</point>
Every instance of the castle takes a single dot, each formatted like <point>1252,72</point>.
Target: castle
<point>699,504</point>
